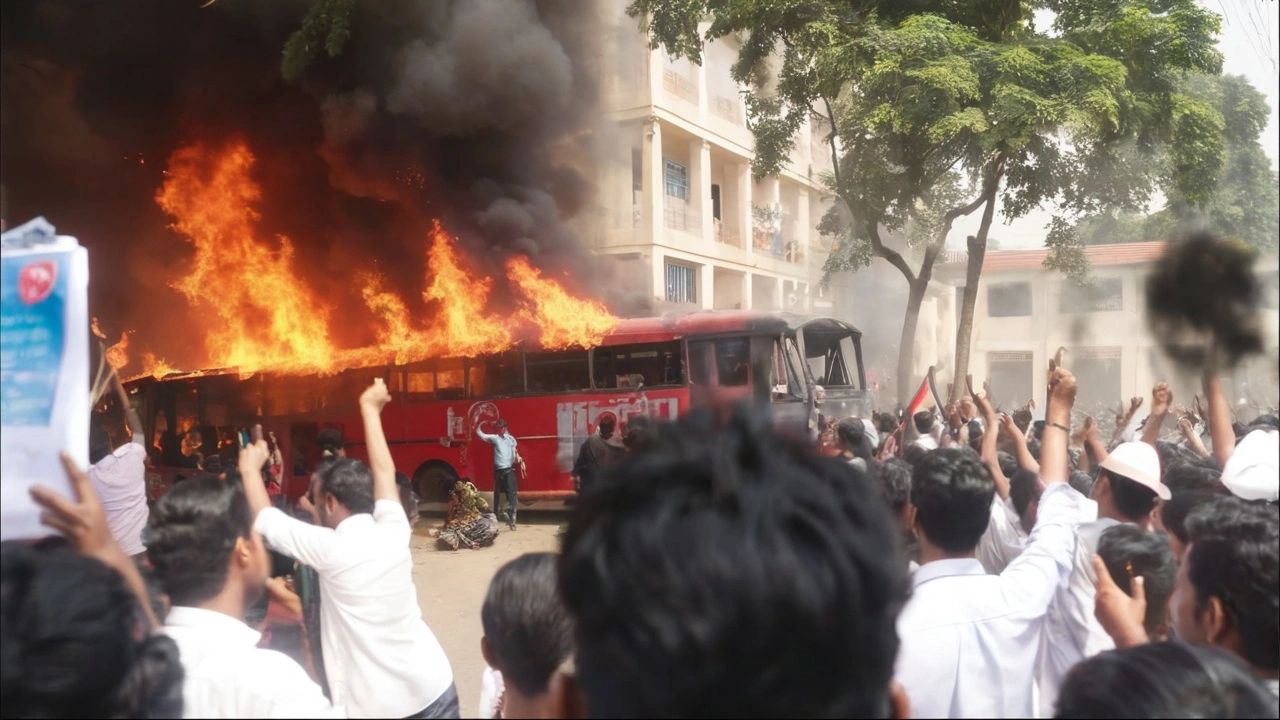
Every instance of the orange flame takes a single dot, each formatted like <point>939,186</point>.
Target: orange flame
<point>212,198</point>
<point>118,354</point>
<point>565,320</point>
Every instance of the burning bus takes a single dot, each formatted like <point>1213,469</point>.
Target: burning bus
<point>807,372</point>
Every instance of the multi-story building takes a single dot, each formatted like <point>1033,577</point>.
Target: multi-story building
<point>684,222</point>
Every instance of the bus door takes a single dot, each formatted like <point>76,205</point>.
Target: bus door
<point>778,382</point>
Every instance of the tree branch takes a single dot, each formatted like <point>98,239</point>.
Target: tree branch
<point>893,256</point>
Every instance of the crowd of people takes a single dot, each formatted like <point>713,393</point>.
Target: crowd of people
<point>968,565</point>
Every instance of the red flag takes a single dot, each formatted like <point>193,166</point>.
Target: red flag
<point>925,399</point>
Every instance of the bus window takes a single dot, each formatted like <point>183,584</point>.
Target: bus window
<point>830,359</point>
<point>558,371</point>
<point>344,389</point>
<point>789,381</point>
<point>302,443</point>
<point>733,361</point>
<point>496,375</point>
<point>450,379</point>
<point>420,378</point>
<point>634,366</point>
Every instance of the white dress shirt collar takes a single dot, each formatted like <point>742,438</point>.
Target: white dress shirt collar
<point>229,630</point>
<point>946,568</point>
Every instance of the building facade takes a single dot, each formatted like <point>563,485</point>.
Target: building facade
<point>1024,313</point>
<point>684,223</point>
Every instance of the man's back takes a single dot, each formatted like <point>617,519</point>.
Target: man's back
<point>120,481</point>
<point>225,674</point>
<point>380,657</point>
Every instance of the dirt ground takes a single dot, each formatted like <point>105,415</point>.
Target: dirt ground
<point>452,586</point>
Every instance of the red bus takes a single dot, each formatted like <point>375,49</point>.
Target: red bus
<point>808,372</point>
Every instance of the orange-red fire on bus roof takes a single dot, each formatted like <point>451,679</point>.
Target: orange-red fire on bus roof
<point>211,195</point>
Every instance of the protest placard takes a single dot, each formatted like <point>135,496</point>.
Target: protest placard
<point>44,369</point>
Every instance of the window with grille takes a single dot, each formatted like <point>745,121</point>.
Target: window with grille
<point>677,178</point>
<point>682,283</point>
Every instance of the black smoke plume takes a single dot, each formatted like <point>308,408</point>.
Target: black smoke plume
<point>1202,303</point>
<point>478,113</point>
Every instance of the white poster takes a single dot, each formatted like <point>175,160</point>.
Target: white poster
<point>44,369</point>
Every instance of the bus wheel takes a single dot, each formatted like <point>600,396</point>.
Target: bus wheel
<point>432,481</point>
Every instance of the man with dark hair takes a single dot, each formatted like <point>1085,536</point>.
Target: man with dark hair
<point>1130,552</point>
<point>894,476</point>
<point>969,639</point>
<point>527,633</point>
<point>779,598</point>
<point>924,423</point>
<point>1126,491</point>
<point>597,453</point>
<point>214,566</point>
<point>1010,523</point>
<point>505,458</point>
<point>330,444</point>
<point>380,658</point>
<point>1228,587</point>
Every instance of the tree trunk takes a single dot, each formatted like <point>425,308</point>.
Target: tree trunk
<point>907,378</point>
<point>973,274</point>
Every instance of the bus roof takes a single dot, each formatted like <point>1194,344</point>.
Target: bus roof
<point>663,328</point>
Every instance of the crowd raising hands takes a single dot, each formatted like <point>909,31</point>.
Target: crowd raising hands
<point>977,564</point>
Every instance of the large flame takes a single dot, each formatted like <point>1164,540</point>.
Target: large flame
<point>212,197</point>
<point>266,316</point>
<point>565,320</point>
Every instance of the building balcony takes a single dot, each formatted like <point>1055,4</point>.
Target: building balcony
<point>727,235</point>
<point>680,86</point>
<point>678,215</point>
<point>730,110</point>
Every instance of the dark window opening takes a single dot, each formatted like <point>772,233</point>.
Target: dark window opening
<point>558,371</point>
<point>634,366</point>
<point>1009,300</point>
<point>1105,295</point>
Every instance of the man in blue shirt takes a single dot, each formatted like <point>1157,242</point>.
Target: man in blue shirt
<point>504,474</point>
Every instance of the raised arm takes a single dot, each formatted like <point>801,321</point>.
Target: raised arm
<point>989,437</point>
<point>484,435</point>
<point>1219,416</point>
<point>130,415</point>
<point>1161,399</point>
<point>252,457</point>
<point>372,401</point>
<point>1057,427</point>
<point>1021,451</point>
<point>1188,429</point>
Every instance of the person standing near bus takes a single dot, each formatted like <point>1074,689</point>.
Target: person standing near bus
<point>504,472</point>
<point>596,453</point>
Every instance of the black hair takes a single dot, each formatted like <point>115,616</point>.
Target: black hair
<point>1164,680</point>
<point>1008,463</point>
<point>1235,557</point>
<point>1174,511</point>
<point>75,644</point>
<point>952,492</point>
<point>1269,421</point>
<point>1033,449</point>
<point>1128,551</point>
<point>733,572</point>
<point>1183,476</point>
<point>914,454</point>
<point>193,530</point>
<point>99,444</point>
<point>608,421</point>
<point>525,622</point>
<point>213,464</point>
<point>1024,489</point>
<point>923,421</point>
<point>894,476</point>
<point>329,441</point>
<point>350,482</point>
<point>1081,481</point>
<point>1133,500</point>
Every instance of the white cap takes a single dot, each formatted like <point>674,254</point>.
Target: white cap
<point>1139,462</point>
<point>1253,470</point>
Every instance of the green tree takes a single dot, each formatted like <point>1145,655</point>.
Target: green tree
<point>938,109</point>
<point>1245,204</point>
<point>326,26</point>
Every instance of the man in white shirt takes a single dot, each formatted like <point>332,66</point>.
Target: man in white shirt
<point>969,639</point>
<point>1126,491</point>
<point>1011,521</point>
<point>505,458</point>
<point>380,658</point>
<point>214,566</point>
<point>119,477</point>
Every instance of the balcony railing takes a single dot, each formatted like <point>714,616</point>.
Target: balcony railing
<point>681,216</point>
<point>727,235</point>
<point>679,85</point>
